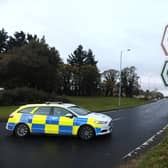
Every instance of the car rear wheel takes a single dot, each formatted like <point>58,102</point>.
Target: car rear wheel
<point>86,132</point>
<point>21,130</point>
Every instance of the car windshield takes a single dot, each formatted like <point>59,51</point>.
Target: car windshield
<point>79,110</point>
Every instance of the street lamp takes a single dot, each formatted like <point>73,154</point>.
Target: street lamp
<point>119,93</point>
<point>149,81</point>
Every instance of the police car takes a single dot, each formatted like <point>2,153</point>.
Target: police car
<point>58,118</point>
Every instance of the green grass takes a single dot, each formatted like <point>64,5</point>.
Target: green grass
<point>91,103</point>
<point>6,110</point>
<point>156,157</point>
<point>105,103</point>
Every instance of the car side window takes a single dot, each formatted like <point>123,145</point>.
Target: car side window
<point>43,111</point>
<point>59,111</point>
<point>26,110</point>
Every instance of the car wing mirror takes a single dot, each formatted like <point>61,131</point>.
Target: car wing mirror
<point>69,115</point>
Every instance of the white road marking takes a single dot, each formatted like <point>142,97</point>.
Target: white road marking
<point>147,110</point>
<point>117,119</point>
<point>151,139</point>
<point>111,111</point>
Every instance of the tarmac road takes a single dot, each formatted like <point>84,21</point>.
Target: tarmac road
<point>131,128</point>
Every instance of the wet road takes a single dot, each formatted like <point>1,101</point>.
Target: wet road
<point>131,128</point>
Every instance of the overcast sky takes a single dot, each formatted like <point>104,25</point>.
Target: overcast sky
<point>105,26</point>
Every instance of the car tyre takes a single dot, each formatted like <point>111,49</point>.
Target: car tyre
<point>86,132</point>
<point>21,130</point>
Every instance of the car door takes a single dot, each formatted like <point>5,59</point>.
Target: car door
<point>65,124</point>
<point>39,119</point>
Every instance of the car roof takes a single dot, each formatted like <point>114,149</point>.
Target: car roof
<point>48,104</point>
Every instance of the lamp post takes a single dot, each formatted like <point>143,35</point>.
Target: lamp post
<point>149,81</point>
<point>119,93</point>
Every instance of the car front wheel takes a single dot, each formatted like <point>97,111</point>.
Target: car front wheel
<point>21,130</point>
<point>86,132</point>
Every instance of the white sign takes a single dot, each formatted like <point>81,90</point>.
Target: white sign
<point>164,42</point>
<point>164,73</point>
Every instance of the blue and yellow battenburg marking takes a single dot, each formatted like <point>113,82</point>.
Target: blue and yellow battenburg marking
<point>51,124</point>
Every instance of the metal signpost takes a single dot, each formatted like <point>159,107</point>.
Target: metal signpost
<point>164,45</point>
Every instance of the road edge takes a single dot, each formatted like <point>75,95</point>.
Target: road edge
<point>146,145</point>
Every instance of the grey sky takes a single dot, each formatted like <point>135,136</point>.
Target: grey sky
<point>105,26</point>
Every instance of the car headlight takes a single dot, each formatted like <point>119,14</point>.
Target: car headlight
<point>101,122</point>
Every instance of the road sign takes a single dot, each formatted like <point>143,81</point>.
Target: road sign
<point>164,73</point>
<point>164,42</point>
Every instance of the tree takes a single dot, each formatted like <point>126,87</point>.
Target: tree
<point>67,78</point>
<point>90,79</point>
<point>3,40</point>
<point>90,58</point>
<point>82,57</point>
<point>110,81</point>
<point>33,65</point>
<point>79,61</point>
<point>31,37</point>
<point>78,57</point>
<point>18,40</point>
<point>129,81</point>
<point>7,43</point>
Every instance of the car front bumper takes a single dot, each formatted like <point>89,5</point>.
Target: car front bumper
<point>10,126</point>
<point>106,129</point>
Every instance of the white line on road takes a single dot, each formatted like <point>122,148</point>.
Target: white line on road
<point>117,119</point>
<point>139,148</point>
<point>111,111</point>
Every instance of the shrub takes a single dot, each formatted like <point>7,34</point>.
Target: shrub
<point>20,96</point>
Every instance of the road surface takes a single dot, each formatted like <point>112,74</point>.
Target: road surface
<point>131,128</point>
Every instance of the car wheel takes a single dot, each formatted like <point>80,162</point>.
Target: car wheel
<point>86,132</point>
<point>21,130</point>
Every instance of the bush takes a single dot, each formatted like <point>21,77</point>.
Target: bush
<point>20,96</point>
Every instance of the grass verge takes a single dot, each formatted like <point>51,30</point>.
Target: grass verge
<point>106,103</point>
<point>91,103</point>
<point>6,110</point>
<point>157,157</point>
